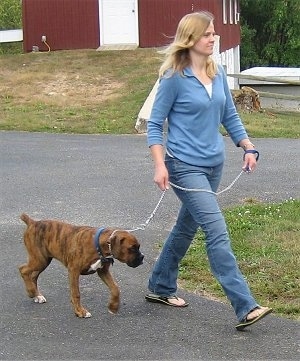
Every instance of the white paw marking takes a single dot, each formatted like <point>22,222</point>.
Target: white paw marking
<point>88,315</point>
<point>39,299</point>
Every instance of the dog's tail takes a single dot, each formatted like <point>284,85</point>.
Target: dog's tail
<point>25,218</point>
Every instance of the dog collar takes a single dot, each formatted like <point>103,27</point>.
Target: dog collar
<point>98,248</point>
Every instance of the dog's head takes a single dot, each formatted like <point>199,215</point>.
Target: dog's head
<point>126,248</point>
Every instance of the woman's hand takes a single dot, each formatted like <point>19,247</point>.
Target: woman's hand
<point>161,176</point>
<point>250,159</point>
<point>249,164</point>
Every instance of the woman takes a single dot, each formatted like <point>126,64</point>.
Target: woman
<point>194,96</point>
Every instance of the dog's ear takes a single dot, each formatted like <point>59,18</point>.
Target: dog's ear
<point>116,239</point>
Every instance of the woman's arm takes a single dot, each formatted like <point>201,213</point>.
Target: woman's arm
<point>163,102</point>
<point>246,144</point>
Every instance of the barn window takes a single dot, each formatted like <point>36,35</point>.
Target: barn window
<point>236,12</point>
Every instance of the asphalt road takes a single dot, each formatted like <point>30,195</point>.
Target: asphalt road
<point>106,180</point>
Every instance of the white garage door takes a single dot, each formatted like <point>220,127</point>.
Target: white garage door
<point>118,22</point>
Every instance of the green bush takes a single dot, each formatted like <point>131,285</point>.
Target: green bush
<point>10,14</point>
<point>10,19</point>
<point>11,48</point>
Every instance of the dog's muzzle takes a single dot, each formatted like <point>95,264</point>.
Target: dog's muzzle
<point>137,261</point>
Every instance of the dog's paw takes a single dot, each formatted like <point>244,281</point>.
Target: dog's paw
<point>87,314</point>
<point>39,299</point>
<point>83,313</point>
<point>113,308</point>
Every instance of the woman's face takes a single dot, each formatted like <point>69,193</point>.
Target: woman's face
<point>204,46</point>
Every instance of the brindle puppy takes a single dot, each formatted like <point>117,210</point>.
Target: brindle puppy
<point>83,250</point>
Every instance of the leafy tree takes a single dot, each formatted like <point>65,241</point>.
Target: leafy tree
<point>270,32</point>
<point>249,57</point>
<point>10,14</point>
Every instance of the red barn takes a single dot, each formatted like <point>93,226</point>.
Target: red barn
<point>90,24</point>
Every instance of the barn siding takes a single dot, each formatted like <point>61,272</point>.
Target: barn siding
<point>162,17</point>
<point>67,24</point>
<point>74,24</point>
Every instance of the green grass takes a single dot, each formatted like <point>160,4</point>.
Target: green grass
<point>75,91</point>
<point>86,91</point>
<point>272,124</point>
<point>265,240</point>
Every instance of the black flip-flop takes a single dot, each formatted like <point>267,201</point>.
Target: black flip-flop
<point>151,297</point>
<point>246,323</point>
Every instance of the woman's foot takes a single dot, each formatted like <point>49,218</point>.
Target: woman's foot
<point>176,301</point>
<point>170,301</point>
<point>253,316</point>
<point>256,313</point>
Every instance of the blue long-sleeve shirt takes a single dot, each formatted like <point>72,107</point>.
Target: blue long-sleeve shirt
<point>194,118</point>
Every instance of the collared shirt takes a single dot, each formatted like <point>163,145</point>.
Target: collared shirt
<point>194,118</point>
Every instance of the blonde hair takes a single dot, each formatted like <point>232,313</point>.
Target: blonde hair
<point>190,29</point>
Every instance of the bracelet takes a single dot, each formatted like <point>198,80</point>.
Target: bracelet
<point>252,151</point>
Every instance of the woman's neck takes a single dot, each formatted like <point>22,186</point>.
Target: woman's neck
<point>198,62</point>
<point>198,67</point>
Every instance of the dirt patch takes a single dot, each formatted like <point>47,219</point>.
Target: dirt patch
<point>73,91</point>
<point>60,89</point>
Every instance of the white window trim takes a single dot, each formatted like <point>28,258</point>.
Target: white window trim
<point>224,3</point>
<point>230,12</point>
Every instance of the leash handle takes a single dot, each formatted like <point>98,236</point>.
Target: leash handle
<point>251,151</point>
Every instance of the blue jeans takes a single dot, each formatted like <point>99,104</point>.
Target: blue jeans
<point>200,209</point>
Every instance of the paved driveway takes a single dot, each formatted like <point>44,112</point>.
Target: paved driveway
<point>107,180</point>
